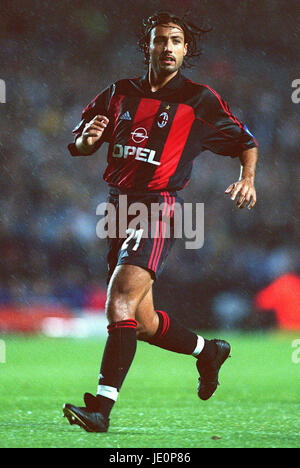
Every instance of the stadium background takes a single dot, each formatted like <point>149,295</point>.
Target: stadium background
<point>55,57</point>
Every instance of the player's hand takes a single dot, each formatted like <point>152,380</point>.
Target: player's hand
<point>245,193</point>
<point>93,130</point>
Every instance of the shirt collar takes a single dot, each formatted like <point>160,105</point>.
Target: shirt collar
<point>175,83</point>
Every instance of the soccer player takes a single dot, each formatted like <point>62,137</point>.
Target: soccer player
<point>155,126</point>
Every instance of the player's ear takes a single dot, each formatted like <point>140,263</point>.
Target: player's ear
<point>185,49</point>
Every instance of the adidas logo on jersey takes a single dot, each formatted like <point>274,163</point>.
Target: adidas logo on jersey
<point>126,116</point>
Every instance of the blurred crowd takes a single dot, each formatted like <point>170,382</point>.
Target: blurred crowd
<point>54,61</point>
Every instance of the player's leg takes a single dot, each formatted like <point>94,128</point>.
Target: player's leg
<point>127,288</point>
<point>163,330</point>
<point>146,317</point>
<point>128,285</point>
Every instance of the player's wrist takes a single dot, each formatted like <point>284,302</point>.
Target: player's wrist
<point>249,178</point>
<point>82,145</point>
<point>247,174</point>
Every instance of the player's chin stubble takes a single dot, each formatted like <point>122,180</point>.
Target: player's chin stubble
<point>162,69</point>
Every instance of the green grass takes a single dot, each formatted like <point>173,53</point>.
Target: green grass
<point>257,404</point>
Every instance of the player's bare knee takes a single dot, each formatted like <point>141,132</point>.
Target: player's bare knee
<point>125,293</point>
<point>140,331</point>
<point>146,329</point>
<point>118,308</point>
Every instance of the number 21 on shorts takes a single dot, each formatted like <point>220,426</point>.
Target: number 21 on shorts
<point>133,234</point>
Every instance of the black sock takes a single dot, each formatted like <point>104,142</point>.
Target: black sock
<point>171,335</point>
<point>117,358</point>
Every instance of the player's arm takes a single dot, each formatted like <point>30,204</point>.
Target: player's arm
<point>94,127</point>
<point>244,189</point>
<point>224,134</point>
<point>88,142</point>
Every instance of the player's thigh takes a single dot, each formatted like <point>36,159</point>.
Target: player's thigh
<point>128,286</point>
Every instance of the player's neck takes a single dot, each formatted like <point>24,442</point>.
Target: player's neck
<point>158,81</point>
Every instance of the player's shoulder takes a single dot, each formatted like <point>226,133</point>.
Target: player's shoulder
<point>126,84</point>
<point>118,85</point>
<point>103,98</point>
<point>205,96</point>
<point>202,89</point>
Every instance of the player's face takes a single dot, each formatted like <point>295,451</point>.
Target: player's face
<point>167,48</point>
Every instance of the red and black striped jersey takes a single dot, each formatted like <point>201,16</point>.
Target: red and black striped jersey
<point>155,136</point>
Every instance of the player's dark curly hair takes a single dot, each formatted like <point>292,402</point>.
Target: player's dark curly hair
<point>192,33</point>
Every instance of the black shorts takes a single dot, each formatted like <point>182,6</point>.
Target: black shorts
<point>150,241</point>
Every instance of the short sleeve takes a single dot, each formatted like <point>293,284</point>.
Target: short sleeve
<point>98,106</point>
<point>221,131</point>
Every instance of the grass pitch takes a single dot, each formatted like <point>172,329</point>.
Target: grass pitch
<point>257,404</point>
